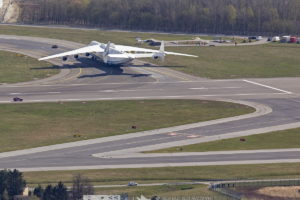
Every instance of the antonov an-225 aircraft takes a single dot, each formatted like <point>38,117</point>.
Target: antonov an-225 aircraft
<point>112,54</point>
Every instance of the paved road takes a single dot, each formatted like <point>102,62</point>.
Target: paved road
<point>277,102</point>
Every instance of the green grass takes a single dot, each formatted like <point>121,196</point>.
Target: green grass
<point>17,68</point>
<point>271,60</point>
<point>161,191</point>
<point>274,140</point>
<point>86,36</point>
<point>123,176</point>
<point>31,125</point>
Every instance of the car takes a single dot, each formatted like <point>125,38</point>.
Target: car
<point>54,46</point>
<point>259,38</point>
<point>131,183</point>
<point>17,99</point>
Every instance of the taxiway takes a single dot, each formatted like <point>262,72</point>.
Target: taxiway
<point>277,102</point>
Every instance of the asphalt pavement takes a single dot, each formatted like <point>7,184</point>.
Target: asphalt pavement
<point>277,102</point>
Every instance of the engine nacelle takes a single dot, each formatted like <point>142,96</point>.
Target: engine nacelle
<point>158,56</point>
<point>65,58</point>
<point>87,54</point>
<point>76,56</point>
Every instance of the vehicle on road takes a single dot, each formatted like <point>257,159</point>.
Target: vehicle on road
<point>54,46</point>
<point>131,183</point>
<point>17,99</point>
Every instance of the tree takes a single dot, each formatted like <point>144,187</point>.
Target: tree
<point>38,191</point>
<point>15,183</point>
<point>48,193</point>
<point>81,186</point>
<point>215,16</point>
<point>5,195</point>
<point>60,192</point>
<point>231,15</point>
<point>3,182</point>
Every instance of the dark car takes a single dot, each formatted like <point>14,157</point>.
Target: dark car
<point>54,46</point>
<point>17,99</point>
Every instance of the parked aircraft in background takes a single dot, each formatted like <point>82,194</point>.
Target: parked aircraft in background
<point>112,54</point>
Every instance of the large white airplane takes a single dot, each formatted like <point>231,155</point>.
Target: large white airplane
<point>112,54</point>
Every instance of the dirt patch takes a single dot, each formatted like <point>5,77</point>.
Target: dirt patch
<point>271,193</point>
<point>292,192</point>
<point>11,13</point>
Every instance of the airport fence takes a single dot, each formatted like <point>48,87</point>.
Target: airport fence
<point>228,188</point>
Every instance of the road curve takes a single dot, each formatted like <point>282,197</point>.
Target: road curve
<point>277,102</point>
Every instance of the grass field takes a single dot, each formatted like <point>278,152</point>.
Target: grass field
<point>31,125</point>
<point>274,140</point>
<point>141,175</point>
<point>271,60</point>
<point>17,68</point>
<point>162,191</point>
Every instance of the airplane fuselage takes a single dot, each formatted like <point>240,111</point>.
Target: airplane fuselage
<point>114,56</point>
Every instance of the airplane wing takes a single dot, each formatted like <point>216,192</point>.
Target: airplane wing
<point>143,50</point>
<point>88,49</point>
<point>141,55</point>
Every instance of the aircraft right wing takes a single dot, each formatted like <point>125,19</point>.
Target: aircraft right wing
<point>88,49</point>
<point>147,51</point>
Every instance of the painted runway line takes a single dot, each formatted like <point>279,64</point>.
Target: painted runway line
<point>267,86</point>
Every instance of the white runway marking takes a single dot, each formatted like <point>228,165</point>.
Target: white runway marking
<point>266,86</point>
<point>32,93</point>
<point>193,136</point>
<point>15,93</point>
<point>111,91</point>
<point>172,134</point>
<point>214,88</point>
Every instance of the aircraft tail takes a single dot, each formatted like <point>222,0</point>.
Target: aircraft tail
<point>162,47</point>
<point>162,51</point>
<point>106,51</point>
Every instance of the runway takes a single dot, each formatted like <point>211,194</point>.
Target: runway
<point>277,102</point>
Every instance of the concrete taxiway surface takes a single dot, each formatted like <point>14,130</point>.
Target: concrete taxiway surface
<point>277,102</point>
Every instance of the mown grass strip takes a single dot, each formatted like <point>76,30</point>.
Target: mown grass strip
<point>39,124</point>
<point>274,140</point>
<point>16,68</point>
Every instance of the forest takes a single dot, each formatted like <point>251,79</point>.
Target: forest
<point>243,17</point>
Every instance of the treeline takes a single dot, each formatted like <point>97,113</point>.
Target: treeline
<point>12,184</point>
<point>193,16</point>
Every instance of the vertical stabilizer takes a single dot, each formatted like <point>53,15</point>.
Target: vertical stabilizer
<point>106,51</point>
<point>162,47</point>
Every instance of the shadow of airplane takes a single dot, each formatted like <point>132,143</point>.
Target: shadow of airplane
<point>89,63</point>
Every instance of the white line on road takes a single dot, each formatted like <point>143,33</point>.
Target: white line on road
<point>266,86</point>
<point>214,88</point>
<point>155,165</point>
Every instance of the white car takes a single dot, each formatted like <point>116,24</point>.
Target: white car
<point>131,183</point>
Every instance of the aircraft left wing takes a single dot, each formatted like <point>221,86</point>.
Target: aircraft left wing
<point>145,51</point>
<point>88,49</point>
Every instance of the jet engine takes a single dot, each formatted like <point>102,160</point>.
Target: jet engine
<point>76,56</point>
<point>159,55</point>
<point>87,54</point>
<point>65,58</point>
